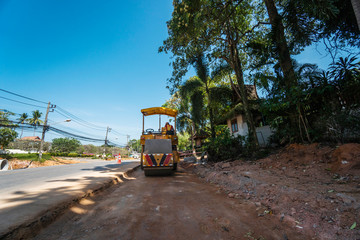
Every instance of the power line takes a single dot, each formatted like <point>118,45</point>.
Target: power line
<point>73,130</point>
<point>75,135</point>
<point>118,133</point>
<point>22,102</point>
<point>60,111</point>
<point>22,96</point>
<point>27,127</point>
<point>65,133</point>
<point>79,119</point>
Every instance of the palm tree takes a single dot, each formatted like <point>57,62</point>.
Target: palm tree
<point>22,119</point>
<point>203,93</point>
<point>185,121</point>
<point>346,77</point>
<point>35,120</point>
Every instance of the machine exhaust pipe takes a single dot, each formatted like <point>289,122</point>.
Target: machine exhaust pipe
<point>4,164</point>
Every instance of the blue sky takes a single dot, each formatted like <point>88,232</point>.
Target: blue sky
<point>95,59</point>
<point>98,60</point>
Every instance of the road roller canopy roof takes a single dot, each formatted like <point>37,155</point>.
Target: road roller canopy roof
<point>159,110</point>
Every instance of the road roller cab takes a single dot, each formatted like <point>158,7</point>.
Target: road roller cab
<point>159,153</point>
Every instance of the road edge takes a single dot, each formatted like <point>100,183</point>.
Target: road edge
<point>30,229</point>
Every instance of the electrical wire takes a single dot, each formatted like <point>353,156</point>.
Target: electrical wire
<point>57,131</point>
<point>62,112</point>
<point>118,133</point>
<point>22,102</point>
<point>79,119</point>
<point>64,133</point>
<point>73,130</point>
<point>22,96</point>
<point>78,122</point>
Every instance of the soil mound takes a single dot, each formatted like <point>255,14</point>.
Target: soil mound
<point>313,188</point>
<point>346,158</point>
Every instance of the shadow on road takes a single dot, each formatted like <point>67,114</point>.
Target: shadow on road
<point>28,211</point>
<point>104,169</point>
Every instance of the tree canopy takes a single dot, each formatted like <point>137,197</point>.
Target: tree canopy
<point>64,145</point>
<point>7,129</point>
<point>254,41</point>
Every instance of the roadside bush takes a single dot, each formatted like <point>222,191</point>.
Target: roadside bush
<point>227,147</point>
<point>5,156</point>
<point>224,146</point>
<point>73,154</point>
<point>46,156</point>
<point>27,156</point>
<point>344,126</point>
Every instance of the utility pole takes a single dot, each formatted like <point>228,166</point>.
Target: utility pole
<point>106,141</point>
<point>127,143</point>
<point>45,128</point>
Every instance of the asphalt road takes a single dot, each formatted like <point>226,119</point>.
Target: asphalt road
<point>22,179</point>
<point>27,195</point>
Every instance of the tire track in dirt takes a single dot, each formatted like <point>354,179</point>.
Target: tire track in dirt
<point>166,207</point>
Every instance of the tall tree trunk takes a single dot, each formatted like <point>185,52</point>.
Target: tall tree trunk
<point>192,127</point>
<point>281,45</point>
<point>211,113</point>
<point>283,57</point>
<point>236,65</point>
<point>356,7</point>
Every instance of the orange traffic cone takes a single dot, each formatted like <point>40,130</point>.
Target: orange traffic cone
<point>119,159</point>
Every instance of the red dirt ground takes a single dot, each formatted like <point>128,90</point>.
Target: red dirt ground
<point>312,188</point>
<point>19,164</point>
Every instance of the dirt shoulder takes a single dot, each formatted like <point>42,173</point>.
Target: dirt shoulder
<point>19,164</point>
<point>313,189</point>
<point>180,207</point>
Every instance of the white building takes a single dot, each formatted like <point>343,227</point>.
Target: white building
<point>238,126</point>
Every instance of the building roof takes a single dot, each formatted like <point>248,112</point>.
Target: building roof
<point>35,138</point>
<point>251,93</point>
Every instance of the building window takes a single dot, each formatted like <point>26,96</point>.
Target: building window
<point>234,126</point>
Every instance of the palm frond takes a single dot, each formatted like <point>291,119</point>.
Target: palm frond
<point>190,86</point>
<point>197,103</point>
<point>201,68</point>
<point>221,94</point>
<point>221,71</point>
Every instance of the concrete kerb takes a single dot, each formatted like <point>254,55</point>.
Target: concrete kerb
<point>30,228</point>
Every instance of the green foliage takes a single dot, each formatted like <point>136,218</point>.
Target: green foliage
<point>35,120</point>
<point>7,132</point>
<point>327,104</point>
<point>135,145</point>
<point>303,103</point>
<point>73,154</point>
<point>90,149</point>
<point>184,142</point>
<point>7,135</point>
<point>342,126</point>
<point>27,156</point>
<point>224,146</point>
<point>65,145</point>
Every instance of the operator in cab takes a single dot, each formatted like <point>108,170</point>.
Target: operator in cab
<point>169,129</point>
